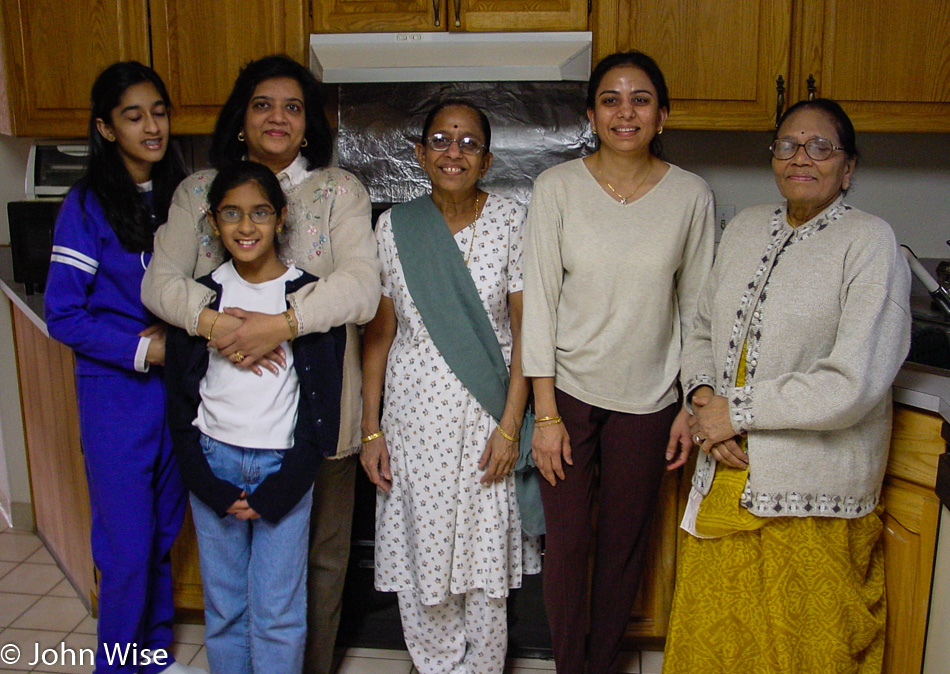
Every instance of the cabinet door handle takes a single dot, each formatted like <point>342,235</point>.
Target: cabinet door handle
<point>812,87</point>
<point>780,99</point>
<point>458,13</point>
<point>435,10</point>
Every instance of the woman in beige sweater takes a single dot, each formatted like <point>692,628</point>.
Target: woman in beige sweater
<point>799,333</point>
<point>275,116</point>
<point>618,247</point>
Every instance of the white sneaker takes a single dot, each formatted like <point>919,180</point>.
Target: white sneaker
<point>178,668</point>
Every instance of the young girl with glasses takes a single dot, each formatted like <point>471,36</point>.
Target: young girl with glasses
<point>250,444</point>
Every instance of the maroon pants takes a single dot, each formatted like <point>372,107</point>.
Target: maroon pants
<point>631,452</point>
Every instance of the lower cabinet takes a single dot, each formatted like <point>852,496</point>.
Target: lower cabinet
<point>61,502</point>
<point>58,474</point>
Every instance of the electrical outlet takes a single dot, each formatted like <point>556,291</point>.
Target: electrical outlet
<point>724,214</point>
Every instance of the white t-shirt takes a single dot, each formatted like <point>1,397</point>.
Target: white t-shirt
<point>237,406</point>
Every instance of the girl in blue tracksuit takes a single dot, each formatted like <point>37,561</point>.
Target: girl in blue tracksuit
<point>101,245</point>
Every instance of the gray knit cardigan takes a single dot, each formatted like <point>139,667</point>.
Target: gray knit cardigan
<point>824,311</point>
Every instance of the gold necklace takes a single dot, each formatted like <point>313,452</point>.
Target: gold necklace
<point>623,199</point>
<point>471,244</point>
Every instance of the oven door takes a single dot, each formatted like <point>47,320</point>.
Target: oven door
<point>31,240</point>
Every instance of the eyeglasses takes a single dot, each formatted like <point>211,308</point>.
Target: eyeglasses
<point>818,149</point>
<point>233,216</point>
<point>439,142</point>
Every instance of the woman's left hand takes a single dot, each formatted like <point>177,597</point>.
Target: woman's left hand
<point>710,422</point>
<point>259,335</point>
<point>681,441</point>
<point>498,459</point>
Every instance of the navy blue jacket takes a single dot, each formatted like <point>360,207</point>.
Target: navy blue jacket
<point>318,361</point>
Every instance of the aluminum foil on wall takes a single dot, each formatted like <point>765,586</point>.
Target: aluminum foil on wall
<point>535,125</point>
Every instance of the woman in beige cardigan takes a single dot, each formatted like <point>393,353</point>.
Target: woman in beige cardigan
<point>799,333</point>
<point>275,116</point>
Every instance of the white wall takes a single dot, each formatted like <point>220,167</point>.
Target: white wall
<point>903,178</point>
<point>14,478</point>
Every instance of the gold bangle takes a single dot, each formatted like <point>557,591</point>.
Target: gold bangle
<point>211,329</point>
<point>507,437</point>
<point>541,420</point>
<point>292,324</point>
<point>550,422</point>
<point>371,437</point>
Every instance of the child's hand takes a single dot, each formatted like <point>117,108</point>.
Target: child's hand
<point>242,510</point>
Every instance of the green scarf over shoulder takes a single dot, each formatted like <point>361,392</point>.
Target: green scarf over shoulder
<point>441,287</point>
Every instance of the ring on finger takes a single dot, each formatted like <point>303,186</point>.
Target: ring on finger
<point>237,356</point>
<point>698,439</point>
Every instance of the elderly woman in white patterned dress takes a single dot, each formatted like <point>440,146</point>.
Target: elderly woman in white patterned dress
<point>446,342</point>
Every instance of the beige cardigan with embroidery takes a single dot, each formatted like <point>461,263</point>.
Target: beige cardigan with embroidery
<point>825,311</point>
<point>327,233</point>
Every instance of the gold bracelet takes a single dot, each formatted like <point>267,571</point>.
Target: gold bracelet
<point>211,330</point>
<point>292,324</point>
<point>371,437</point>
<point>541,420</point>
<point>507,437</point>
<point>550,422</point>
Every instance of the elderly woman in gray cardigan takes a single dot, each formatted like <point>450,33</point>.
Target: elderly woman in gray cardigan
<point>799,334</point>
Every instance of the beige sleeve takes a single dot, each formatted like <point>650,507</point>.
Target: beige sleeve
<point>168,288</point>
<point>350,294</point>
<point>543,277</point>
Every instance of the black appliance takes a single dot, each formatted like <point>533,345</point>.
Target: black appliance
<point>31,240</point>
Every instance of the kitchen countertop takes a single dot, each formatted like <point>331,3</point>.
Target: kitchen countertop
<point>30,305</point>
<point>920,386</point>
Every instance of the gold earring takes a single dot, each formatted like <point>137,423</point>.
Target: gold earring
<point>304,143</point>
<point>279,228</point>
<point>660,132</point>
<point>241,135</point>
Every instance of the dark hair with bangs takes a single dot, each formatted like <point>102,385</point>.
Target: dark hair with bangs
<point>458,102</point>
<point>225,146</point>
<point>130,215</point>
<point>639,60</point>
<point>238,173</point>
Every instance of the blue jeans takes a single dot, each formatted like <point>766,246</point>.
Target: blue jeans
<point>254,573</point>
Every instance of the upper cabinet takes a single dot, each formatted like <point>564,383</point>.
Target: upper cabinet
<point>199,47</point>
<point>888,64</point>
<point>720,58</point>
<point>384,16</point>
<point>52,52</point>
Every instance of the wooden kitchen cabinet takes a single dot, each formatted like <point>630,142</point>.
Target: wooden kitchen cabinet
<point>911,517</point>
<point>886,62</point>
<point>199,47</point>
<point>54,453</point>
<point>52,52</point>
<point>58,475</point>
<point>384,16</point>
<point>720,58</point>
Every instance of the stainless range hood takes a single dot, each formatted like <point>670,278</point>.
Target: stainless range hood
<point>450,57</point>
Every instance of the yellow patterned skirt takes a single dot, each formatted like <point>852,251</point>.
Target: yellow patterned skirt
<point>784,595</point>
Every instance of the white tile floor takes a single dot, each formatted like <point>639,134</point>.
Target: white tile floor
<point>39,606</point>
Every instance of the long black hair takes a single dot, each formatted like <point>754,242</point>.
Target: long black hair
<point>636,59</point>
<point>132,219</point>
<point>225,145</point>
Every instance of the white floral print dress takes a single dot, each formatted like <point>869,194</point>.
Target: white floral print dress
<point>439,530</point>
